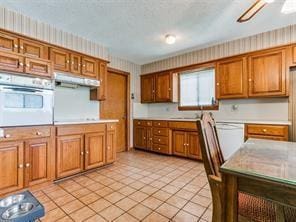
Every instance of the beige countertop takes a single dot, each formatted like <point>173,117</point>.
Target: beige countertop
<point>183,119</point>
<point>83,121</point>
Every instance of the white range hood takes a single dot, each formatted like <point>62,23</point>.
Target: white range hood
<point>69,78</point>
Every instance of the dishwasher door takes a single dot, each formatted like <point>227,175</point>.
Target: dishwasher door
<point>231,137</point>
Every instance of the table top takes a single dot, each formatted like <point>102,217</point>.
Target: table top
<point>264,159</point>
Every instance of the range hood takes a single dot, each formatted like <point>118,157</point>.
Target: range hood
<point>69,79</point>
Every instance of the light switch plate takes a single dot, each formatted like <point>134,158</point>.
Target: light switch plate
<point>1,133</point>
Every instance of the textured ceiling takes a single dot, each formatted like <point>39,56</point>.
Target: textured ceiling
<point>135,29</point>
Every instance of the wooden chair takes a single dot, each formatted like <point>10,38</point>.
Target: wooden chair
<point>250,208</point>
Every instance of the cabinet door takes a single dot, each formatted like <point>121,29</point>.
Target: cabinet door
<point>294,54</point>
<point>147,88</point>
<point>11,62</point>
<point>33,49</point>
<point>163,86</point>
<point>94,149</point>
<point>60,59</point>
<point>149,140</point>
<point>38,67</point>
<point>70,155</point>
<point>103,81</point>
<point>8,42</point>
<point>140,137</point>
<point>37,153</point>
<point>231,78</point>
<point>11,165</point>
<point>75,64</point>
<point>111,146</point>
<point>179,143</point>
<point>193,146</point>
<point>267,74</point>
<point>89,67</point>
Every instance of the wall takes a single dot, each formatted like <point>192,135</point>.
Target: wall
<point>80,108</point>
<point>267,109</point>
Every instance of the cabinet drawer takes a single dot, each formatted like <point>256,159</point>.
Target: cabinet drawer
<point>160,131</point>
<point>111,126</point>
<point>160,148</point>
<point>161,140</point>
<point>183,125</point>
<point>268,130</point>
<point>143,123</point>
<point>160,123</point>
<point>80,129</point>
<point>279,138</point>
<point>22,133</point>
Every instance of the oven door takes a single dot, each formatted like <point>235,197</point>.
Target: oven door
<point>23,106</point>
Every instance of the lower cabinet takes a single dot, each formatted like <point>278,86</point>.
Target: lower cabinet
<point>12,166</point>
<point>270,132</point>
<point>111,144</point>
<point>94,150</point>
<point>140,137</point>
<point>186,144</point>
<point>37,161</point>
<point>70,154</point>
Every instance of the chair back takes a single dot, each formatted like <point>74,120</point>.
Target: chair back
<point>209,143</point>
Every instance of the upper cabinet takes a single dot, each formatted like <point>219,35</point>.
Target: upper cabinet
<point>294,54</point>
<point>159,87</point>
<point>60,59</point>
<point>267,74</point>
<point>8,42</point>
<point>89,67</point>
<point>75,66</point>
<point>100,93</point>
<point>147,88</point>
<point>231,78</point>
<point>33,49</point>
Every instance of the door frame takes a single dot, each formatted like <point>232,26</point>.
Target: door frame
<point>128,102</point>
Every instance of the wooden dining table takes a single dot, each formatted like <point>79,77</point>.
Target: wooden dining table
<point>263,168</point>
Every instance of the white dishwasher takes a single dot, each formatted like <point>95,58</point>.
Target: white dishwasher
<point>231,137</point>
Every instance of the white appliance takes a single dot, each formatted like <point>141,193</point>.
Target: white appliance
<point>66,78</point>
<point>231,137</point>
<point>25,100</point>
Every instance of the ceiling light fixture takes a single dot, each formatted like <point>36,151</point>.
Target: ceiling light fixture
<point>289,7</point>
<point>170,39</point>
<point>268,1</point>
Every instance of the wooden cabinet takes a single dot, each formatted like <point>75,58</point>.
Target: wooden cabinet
<point>8,42</point>
<point>94,149</point>
<point>75,66</point>
<point>267,74</point>
<point>163,88</point>
<point>140,137</point>
<point>11,62</point>
<point>89,67</point>
<point>294,54</point>
<point>147,88</point>
<point>60,59</point>
<point>273,132</point>
<point>33,49</point>
<point>38,67</point>
<point>12,166</point>
<point>70,155</point>
<point>231,78</point>
<point>37,164</point>
<point>100,93</point>
<point>111,143</point>
<point>179,143</point>
<point>159,87</point>
<point>186,144</point>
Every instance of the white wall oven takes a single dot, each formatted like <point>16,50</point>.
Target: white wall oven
<point>25,101</point>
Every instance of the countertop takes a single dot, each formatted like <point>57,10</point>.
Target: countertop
<point>83,121</point>
<point>268,122</point>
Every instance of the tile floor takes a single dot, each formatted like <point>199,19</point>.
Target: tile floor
<point>140,186</point>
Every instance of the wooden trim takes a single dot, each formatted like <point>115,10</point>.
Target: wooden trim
<point>210,107</point>
<point>128,108</point>
<point>19,35</point>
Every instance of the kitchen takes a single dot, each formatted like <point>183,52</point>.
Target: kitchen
<point>95,137</point>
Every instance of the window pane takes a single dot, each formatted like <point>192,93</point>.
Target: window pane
<point>33,101</point>
<point>197,88</point>
<point>14,100</point>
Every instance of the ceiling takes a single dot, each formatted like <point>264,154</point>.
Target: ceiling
<point>135,29</point>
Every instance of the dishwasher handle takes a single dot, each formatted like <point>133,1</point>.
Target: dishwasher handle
<point>229,126</point>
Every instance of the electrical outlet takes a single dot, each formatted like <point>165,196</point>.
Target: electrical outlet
<point>234,107</point>
<point>1,133</point>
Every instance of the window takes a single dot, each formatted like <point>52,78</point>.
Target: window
<point>197,89</point>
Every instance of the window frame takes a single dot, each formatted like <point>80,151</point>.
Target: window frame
<point>206,107</point>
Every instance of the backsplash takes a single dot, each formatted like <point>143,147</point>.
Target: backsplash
<point>246,109</point>
<point>74,104</point>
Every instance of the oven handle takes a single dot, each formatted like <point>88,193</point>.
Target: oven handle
<point>19,89</point>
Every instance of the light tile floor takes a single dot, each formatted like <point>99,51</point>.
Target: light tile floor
<point>139,186</point>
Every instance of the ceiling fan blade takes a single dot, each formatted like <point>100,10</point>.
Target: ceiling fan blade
<point>256,7</point>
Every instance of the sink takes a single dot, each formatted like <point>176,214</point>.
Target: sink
<point>8,201</point>
<point>17,210</point>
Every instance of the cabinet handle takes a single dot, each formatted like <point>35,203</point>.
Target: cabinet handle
<point>158,148</point>
<point>101,80</point>
<point>83,65</point>
<point>158,140</point>
<point>184,144</point>
<point>159,124</point>
<point>38,133</point>
<point>111,127</point>
<point>68,61</point>
<point>27,165</point>
<point>169,89</point>
<point>218,84</point>
<point>72,63</point>
<point>7,136</point>
<point>250,80</point>
<point>139,123</point>
<point>86,152</point>
<point>21,64</point>
<point>158,131</point>
<point>79,64</point>
<point>15,46</point>
<point>108,147</point>
<point>20,166</point>
<point>264,130</point>
<point>150,138</point>
<point>28,65</point>
<point>22,47</point>
<point>82,153</point>
<point>144,138</point>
